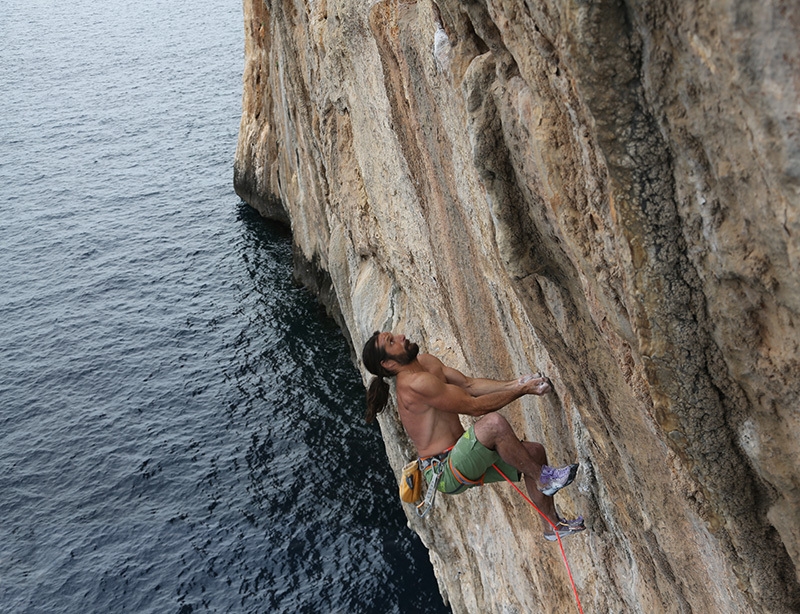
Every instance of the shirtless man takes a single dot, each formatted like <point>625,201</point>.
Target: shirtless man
<point>430,396</point>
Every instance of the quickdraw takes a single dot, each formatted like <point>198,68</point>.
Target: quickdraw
<point>430,495</point>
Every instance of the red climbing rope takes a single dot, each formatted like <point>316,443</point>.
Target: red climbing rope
<point>555,530</point>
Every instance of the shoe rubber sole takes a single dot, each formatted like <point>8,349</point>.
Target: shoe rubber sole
<point>573,471</point>
<point>562,533</point>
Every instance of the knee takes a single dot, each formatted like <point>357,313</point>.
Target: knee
<point>536,451</point>
<point>494,423</point>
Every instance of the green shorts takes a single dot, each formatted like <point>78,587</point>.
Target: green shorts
<point>474,462</point>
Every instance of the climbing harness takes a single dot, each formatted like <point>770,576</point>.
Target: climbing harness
<point>465,481</point>
<point>550,522</point>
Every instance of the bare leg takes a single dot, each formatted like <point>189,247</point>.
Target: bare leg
<point>495,433</point>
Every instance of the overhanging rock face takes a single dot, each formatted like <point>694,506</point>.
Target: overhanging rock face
<point>608,192</point>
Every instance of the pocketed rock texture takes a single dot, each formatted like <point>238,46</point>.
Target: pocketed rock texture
<point>605,191</point>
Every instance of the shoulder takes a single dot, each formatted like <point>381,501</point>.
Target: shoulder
<point>430,363</point>
<point>416,389</point>
<point>417,382</point>
<point>442,371</point>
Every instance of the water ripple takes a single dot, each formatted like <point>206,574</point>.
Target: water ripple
<point>181,428</point>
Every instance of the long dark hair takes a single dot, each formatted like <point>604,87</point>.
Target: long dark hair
<point>378,391</point>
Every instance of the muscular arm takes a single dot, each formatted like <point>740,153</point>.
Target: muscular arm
<point>425,390</point>
<point>476,387</point>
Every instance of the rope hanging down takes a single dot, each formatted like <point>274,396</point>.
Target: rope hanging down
<point>555,530</point>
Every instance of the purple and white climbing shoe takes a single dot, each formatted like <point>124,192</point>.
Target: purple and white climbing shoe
<point>565,528</point>
<point>554,479</point>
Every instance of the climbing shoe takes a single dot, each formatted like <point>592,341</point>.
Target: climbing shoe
<point>554,479</point>
<point>565,528</point>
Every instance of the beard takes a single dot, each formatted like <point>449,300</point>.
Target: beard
<point>411,351</point>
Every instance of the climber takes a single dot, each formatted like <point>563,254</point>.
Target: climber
<point>430,396</point>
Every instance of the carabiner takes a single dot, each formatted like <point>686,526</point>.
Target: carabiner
<point>430,496</point>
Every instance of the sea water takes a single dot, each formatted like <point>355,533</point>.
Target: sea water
<point>181,425</point>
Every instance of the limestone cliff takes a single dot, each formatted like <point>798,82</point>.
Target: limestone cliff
<point>607,191</point>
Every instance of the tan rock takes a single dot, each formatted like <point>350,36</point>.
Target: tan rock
<point>608,192</point>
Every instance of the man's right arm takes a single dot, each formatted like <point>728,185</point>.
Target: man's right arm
<point>477,387</point>
<point>427,390</point>
<point>473,386</point>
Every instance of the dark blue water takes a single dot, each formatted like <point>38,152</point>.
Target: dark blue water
<point>180,426</point>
